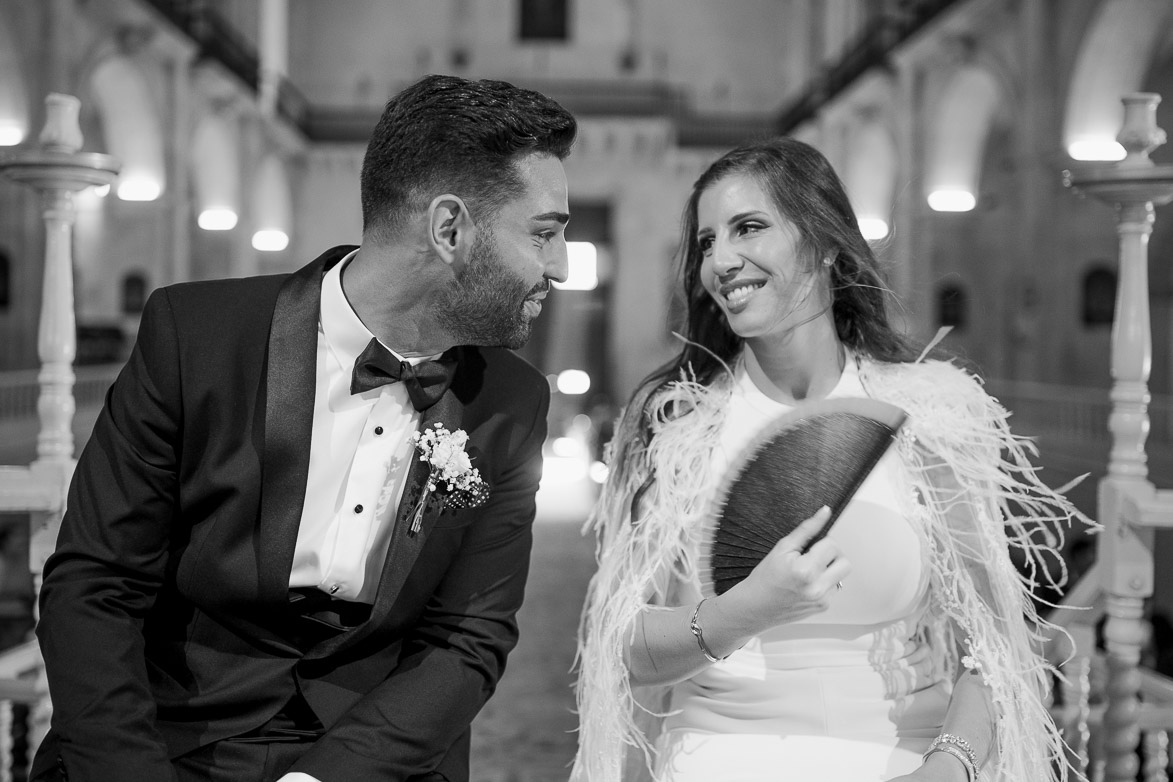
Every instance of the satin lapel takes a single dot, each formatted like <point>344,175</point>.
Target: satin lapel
<point>289,418</point>
<point>405,548</point>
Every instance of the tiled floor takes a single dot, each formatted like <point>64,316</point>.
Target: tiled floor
<point>526,732</point>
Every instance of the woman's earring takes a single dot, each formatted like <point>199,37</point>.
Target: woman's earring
<point>827,261</point>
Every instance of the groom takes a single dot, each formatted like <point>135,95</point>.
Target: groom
<point>257,578</point>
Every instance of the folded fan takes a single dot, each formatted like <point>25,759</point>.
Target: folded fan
<point>817,454</point>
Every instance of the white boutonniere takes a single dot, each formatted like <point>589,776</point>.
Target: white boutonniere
<point>451,478</point>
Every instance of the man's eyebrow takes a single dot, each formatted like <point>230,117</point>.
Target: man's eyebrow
<point>560,217</point>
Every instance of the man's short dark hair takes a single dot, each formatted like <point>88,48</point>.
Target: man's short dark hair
<point>447,134</point>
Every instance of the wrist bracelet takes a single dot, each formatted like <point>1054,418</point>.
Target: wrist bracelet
<point>960,743</point>
<point>963,757</point>
<point>949,749</point>
<point>695,626</point>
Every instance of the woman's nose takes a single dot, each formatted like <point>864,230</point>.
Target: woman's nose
<point>725,259</point>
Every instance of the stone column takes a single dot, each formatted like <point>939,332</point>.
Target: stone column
<point>57,170</point>
<point>1129,505</point>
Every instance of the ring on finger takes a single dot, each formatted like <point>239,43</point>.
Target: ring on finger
<point>838,584</point>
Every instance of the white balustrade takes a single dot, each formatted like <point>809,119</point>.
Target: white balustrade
<point>1130,506</point>
<point>1156,756</point>
<point>56,169</point>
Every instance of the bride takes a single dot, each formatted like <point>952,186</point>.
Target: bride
<point>903,645</point>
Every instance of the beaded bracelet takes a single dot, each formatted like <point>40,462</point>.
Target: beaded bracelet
<point>958,748</point>
<point>960,743</point>
<point>951,749</point>
<point>695,626</point>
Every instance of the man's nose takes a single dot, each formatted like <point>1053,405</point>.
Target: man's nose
<point>558,269</point>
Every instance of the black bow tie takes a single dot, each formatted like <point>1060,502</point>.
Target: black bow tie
<point>426,381</point>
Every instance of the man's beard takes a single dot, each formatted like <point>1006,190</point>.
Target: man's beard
<point>485,304</point>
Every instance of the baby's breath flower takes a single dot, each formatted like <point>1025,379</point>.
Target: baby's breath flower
<point>451,467</point>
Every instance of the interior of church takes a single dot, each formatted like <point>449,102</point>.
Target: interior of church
<point>226,139</point>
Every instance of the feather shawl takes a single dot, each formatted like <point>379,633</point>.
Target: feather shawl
<point>971,493</point>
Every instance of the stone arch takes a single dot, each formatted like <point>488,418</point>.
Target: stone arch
<point>952,305</point>
<point>1098,295</point>
<point>272,205</point>
<point>870,177</point>
<point>134,292</point>
<point>5,280</point>
<point>215,164</point>
<point>14,103</point>
<point>131,126</point>
<point>1112,60</point>
<point>962,118</point>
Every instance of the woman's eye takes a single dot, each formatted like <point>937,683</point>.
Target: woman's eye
<point>747,228</point>
<point>705,243</point>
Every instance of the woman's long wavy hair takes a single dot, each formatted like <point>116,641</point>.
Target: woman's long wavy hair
<point>808,192</point>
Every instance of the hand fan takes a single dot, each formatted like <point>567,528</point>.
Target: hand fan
<point>817,454</point>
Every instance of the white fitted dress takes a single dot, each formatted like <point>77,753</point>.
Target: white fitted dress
<point>846,695</point>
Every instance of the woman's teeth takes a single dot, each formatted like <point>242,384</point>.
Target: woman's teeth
<point>741,293</point>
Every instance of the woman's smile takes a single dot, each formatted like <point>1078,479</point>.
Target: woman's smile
<point>753,264</point>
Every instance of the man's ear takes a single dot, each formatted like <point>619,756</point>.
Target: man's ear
<point>451,232</point>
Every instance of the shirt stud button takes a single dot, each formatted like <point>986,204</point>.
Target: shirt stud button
<point>334,589</point>
<point>358,509</point>
<point>378,430</point>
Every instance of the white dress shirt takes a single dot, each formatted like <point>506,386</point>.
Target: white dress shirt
<point>359,459</point>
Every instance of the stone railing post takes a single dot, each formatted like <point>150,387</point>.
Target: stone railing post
<point>56,169</point>
<point>1129,505</point>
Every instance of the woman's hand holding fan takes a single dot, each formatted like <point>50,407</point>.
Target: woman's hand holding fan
<point>792,581</point>
<point>815,456</point>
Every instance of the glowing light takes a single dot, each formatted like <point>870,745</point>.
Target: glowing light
<point>873,228</point>
<point>217,219</point>
<point>563,470</point>
<point>270,241</point>
<point>10,134</point>
<point>139,189</point>
<point>598,472</point>
<point>568,447</point>
<point>583,261</point>
<point>1096,149</point>
<point>89,199</point>
<point>101,191</point>
<point>952,201</point>
<point>574,382</point>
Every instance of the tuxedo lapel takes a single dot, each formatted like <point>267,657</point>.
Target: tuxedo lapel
<point>290,381</point>
<point>405,546</point>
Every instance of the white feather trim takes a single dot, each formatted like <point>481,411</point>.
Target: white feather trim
<point>970,489</point>
<point>637,560</point>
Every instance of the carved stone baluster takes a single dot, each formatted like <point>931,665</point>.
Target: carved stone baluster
<point>56,169</point>
<point>1077,693</point>
<point>1097,771</point>
<point>1124,633</point>
<point>5,740</point>
<point>1156,756</point>
<point>1126,497</point>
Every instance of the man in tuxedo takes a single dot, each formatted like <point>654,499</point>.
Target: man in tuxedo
<point>257,578</point>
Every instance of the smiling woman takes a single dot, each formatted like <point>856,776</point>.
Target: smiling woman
<point>835,657</point>
<point>753,264</point>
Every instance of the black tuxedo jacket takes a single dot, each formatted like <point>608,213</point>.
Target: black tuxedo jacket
<point>165,620</point>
